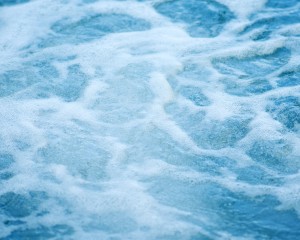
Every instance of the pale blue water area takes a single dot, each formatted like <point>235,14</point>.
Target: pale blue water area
<point>154,119</point>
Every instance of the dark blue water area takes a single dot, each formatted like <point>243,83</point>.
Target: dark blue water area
<point>289,78</point>
<point>210,134</point>
<point>239,214</point>
<point>69,88</point>
<point>177,156</point>
<point>41,232</point>
<point>286,110</point>
<point>6,160</point>
<point>13,81</point>
<point>90,160</point>
<point>41,79</point>
<point>6,176</point>
<point>248,76</point>
<point>15,209</point>
<point>202,18</point>
<point>195,95</point>
<point>68,31</point>
<point>275,155</point>
<point>12,2</point>
<point>249,65</point>
<point>268,24</point>
<point>255,175</point>
<point>281,3</point>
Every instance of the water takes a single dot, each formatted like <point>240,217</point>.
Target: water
<point>149,119</point>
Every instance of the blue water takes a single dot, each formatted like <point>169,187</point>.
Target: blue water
<point>149,119</point>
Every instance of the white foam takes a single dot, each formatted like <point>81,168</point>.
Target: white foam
<point>120,102</point>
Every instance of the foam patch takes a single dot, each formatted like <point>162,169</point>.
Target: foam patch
<point>149,119</point>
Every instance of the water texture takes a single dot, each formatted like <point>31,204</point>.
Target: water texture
<point>149,119</point>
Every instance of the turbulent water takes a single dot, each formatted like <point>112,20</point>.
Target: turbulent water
<point>149,119</point>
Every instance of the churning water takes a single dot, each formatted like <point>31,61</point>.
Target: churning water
<point>149,119</point>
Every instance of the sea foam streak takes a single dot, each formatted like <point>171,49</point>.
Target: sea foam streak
<point>149,119</point>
